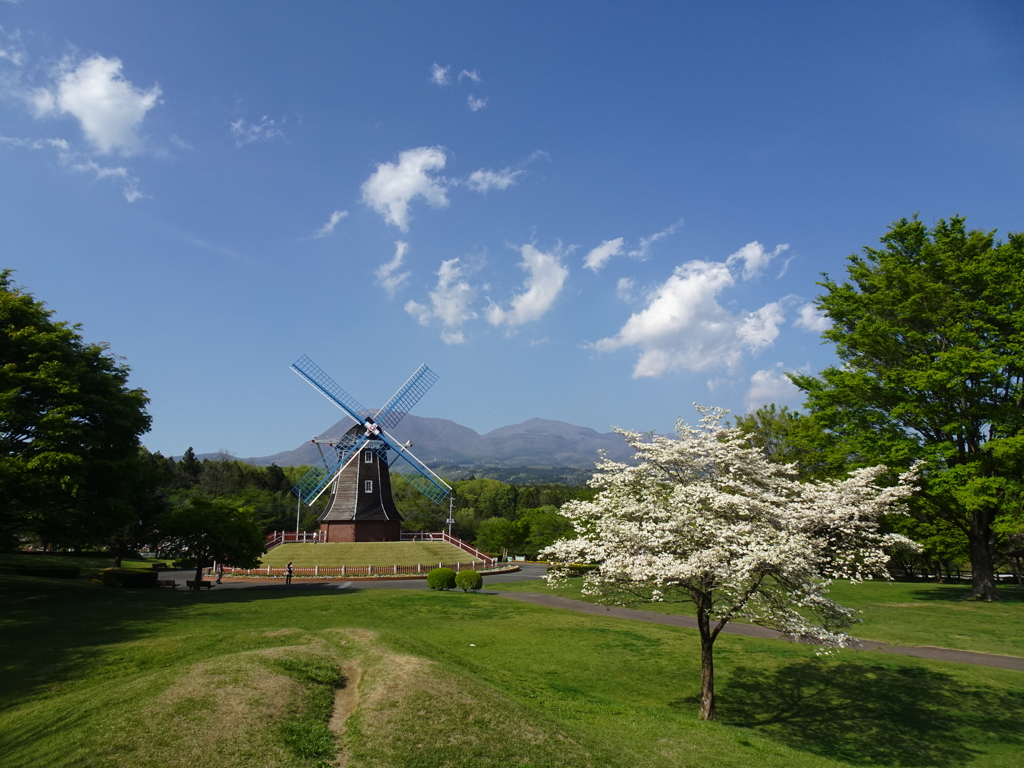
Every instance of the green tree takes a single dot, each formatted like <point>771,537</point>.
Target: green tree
<point>930,332</point>
<point>211,532</point>
<point>499,534</point>
<point>69,423</point>
<point>789,437</point>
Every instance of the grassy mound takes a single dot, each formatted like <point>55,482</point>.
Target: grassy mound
<point>337,554</point>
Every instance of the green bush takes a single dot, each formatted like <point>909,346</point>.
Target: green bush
<point>441,578</point>
<point>44,571</point>
<point>125,577</point>
<point>467,580</point>
<point>188,563</point>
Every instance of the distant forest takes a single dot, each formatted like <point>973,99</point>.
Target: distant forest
<point>511,514</point>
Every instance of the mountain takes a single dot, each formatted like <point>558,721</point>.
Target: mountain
<point>534,443</point>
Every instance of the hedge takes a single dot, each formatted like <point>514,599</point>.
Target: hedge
<point>44,571</point>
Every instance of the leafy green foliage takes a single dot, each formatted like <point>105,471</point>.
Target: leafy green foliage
<point>441,578</point>
<point>210,531</point>
<point>69,428</point>
<point>467,580</point>
<point>930,331</point>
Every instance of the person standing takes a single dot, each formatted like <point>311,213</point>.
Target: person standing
<point>288,574</point>
<point>220,572</point>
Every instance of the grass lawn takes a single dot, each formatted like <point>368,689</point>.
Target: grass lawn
<point>90,565</point>
<point>336,554</point>
<point>901,613</point>
<point>101,678</point>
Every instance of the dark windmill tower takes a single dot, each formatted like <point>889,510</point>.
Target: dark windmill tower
<point>358,467</point>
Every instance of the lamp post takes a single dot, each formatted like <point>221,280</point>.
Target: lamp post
<point>451,513</point>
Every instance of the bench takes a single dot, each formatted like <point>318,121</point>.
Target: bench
<point>207,584</point>
<point>167,583</point>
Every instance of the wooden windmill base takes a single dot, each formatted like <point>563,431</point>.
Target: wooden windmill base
<point>361,530</point>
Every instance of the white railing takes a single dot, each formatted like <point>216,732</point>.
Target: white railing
<point>285,537</point>
<point>447,537</point>
<point>346,571</point>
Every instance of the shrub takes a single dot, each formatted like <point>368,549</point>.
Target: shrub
<point>467,580</point>
<point>441,578</point>
<point>188,563</point>
<point>126,577</point>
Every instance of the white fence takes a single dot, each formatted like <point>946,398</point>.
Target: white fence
<point>345,571</point>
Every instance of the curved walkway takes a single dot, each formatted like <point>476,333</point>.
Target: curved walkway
<point>530,572</point>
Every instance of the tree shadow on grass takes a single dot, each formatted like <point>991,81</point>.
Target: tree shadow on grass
<point>872,714</point>
<point>960,593</point>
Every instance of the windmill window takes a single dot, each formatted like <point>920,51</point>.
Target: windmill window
<point>369,486</point>
<point>368,457</point>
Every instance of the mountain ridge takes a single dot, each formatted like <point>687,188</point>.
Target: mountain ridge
<point>534,442</point>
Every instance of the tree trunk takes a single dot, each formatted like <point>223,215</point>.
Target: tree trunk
<point>196,585</point>
<point>983,547</point>
<point>707,664</point>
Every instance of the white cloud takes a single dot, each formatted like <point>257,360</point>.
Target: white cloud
<point>625,288</point>
<point>545,278</point>
<point>330,224</point>
<point>683,325</point>
<point>812,320</point>
<point>245,132</point>
<point>482,180</point>
<point>12,50</point>
<point>644,248</point>
<point>770,386</point>
<point>754,258</point>
<point>761,328</point>
<point>108,107</point>
<point>471,74</point>
<point>392,186</point>
<point>388,275</point>
<point>599,256</point>
<point>439,74</point>
<point>76,161</point>
<point>450,302</point>
<point>475,104</point>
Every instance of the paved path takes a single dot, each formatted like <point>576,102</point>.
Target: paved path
<point>529,572</point>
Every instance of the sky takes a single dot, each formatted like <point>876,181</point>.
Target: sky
<point>600,213</point>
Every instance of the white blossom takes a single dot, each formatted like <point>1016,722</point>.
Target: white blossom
<point>704,518</point>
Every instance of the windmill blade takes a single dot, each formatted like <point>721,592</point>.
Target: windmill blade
<point>327,387</point>
<point>401,461</point>
<point>406,397</point>
<point>322,474</point>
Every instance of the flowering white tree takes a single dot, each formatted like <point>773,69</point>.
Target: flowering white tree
<point>707,519</point>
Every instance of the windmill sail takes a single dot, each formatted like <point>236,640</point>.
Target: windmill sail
<point>406,397</point>
<point>398,458</point>
<point>416,473</point>
<point>314,482</point>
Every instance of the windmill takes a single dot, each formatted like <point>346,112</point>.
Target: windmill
<point>357,467</point>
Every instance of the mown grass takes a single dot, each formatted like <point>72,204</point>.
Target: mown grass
<point>100,678</point>
<point>901,613</point>
<point>337,554</point>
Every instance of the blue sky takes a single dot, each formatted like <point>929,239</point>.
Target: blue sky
<point>593,212</point>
